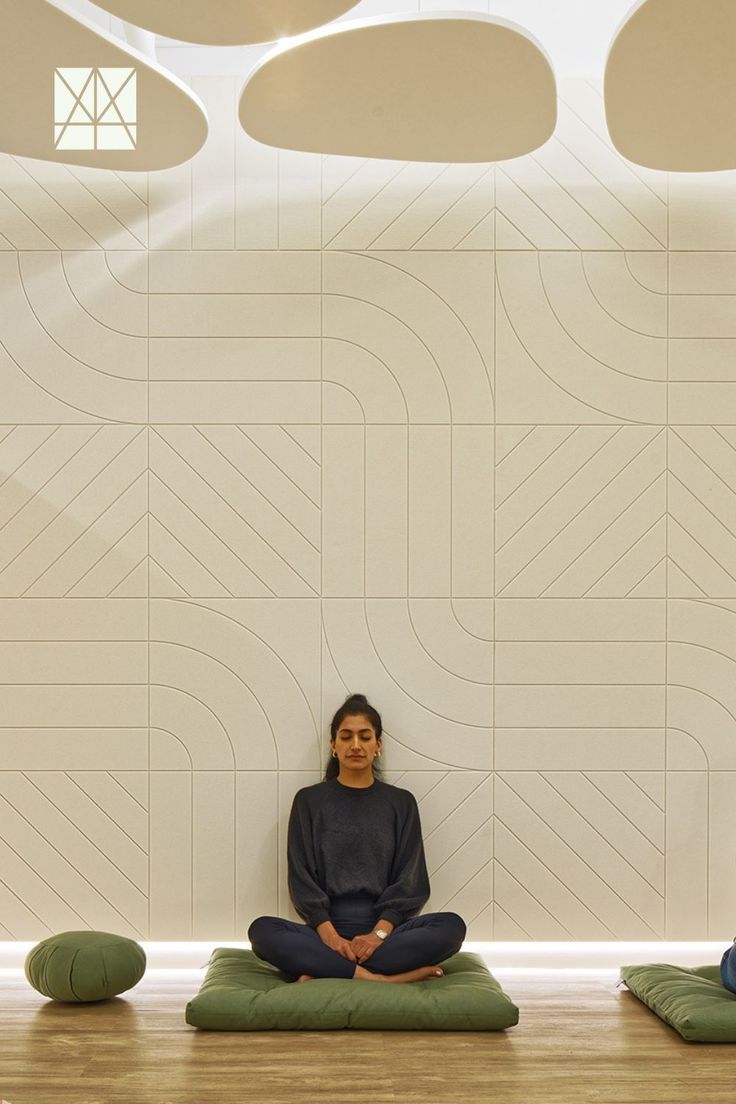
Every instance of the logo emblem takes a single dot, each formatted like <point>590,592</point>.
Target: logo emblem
<point>94,109</point>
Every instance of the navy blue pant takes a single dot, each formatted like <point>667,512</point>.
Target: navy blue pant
<point>728,968</point>
<point>296,949</point>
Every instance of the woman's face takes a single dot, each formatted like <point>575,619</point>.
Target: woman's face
<point>356,744</point>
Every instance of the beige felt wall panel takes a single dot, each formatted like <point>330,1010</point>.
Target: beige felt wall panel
<point>455,809</point>
<point>403,205</point>
<point>407,511</point>
<point>276,427</point>
<point>52,206</point>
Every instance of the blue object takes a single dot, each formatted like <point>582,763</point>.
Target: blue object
<point>728,968</point>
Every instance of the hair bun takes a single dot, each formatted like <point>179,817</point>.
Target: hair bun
<point>358,698</point>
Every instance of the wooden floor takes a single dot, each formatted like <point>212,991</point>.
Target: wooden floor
<point>578,1040</point>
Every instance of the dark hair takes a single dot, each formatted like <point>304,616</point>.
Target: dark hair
<point>355,704</point>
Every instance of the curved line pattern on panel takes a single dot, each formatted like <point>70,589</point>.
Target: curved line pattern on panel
<point>334,408</point>
<point>410,306</point>
<point>237,678</point>
<point>57,371</point>
<point>445,306</point>
<point>240,678</point>
<point>628,257</point>
<point>555,311</point>
<point>702,663</point>
<point>464,628</point>
<point>123,303</point>
<point>693,740</point>
<point>369,382</point>
<point>432,676</point>
<point>157,728</point>
<point>126,287</point>
<point>279,660</point>
<point>402,325</point>
<point>205,752</point>
<point>46,283</point>
<point>357,657</point>
<point>643,304</point>
<point>445,635</point>
<point>697,711</point>
<point>560,357</point>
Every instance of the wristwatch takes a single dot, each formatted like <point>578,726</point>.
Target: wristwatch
<point>380,932</point>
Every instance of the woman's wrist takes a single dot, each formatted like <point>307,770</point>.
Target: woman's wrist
<point>384,925</point>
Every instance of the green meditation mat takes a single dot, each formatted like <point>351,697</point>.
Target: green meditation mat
<point>242,993</point>
<point>693,1001</point>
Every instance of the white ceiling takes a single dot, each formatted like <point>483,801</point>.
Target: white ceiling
<point>575,33</point>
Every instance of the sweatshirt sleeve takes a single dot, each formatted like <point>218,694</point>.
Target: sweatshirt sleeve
<point>308,897</point>
<point>409,888</point>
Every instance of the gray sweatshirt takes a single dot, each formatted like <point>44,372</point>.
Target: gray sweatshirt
<point>344,841</point>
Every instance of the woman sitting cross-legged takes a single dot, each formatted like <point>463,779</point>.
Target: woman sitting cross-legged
<point>357,874</point>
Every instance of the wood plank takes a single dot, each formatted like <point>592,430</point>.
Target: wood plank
<point>579,1041</point>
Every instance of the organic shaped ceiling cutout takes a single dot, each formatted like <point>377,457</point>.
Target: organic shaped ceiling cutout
<point>670,85</point>
<point>227,22</point>
<point>73,93</point>
<point>441,87</point>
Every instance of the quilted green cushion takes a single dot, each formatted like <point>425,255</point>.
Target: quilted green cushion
<point>693,1001</point>
<point>85,965</point>
<point>241,993</point>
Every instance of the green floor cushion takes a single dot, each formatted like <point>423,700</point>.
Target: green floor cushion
<point>241,993</point>
<point>693,1001</point>
<point>85,965</point>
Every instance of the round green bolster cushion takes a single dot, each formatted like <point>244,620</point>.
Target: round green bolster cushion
<point>85,965</point>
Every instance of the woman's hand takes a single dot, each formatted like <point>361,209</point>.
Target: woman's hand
<point>332,939</point>
<point>365,945</point>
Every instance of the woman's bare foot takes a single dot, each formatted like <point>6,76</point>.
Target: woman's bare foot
<point>424,973</point>
<point>306,977</point>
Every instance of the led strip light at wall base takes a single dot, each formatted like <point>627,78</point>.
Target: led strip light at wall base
<point>529,955</point>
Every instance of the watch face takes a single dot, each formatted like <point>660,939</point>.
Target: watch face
<point>381,933</point>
